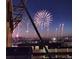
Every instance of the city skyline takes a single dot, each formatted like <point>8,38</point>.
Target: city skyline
<point>61,11</point>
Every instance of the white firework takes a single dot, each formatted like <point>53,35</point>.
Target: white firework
<point>43,19</point>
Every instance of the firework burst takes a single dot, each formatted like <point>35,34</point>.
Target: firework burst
<point>43,19</point>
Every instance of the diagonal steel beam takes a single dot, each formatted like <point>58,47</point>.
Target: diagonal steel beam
<point>35,28</point>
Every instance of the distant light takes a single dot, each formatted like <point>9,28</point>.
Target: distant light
<point>54,39</point>
<point>17,35</point>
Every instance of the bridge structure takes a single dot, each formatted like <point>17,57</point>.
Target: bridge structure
<point>14,17</point>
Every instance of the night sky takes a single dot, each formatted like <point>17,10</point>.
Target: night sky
<point>61,10</point>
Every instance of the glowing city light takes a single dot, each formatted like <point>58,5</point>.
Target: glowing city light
<point>43,19</point>
<point>17,35</point>
<point>54,39</point>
